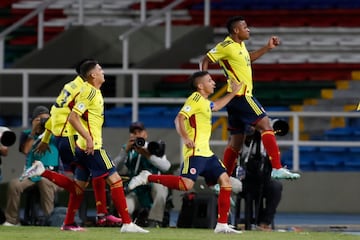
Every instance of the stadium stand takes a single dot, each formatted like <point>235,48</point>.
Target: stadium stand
<point>319,39</point>
<point>24,40</point>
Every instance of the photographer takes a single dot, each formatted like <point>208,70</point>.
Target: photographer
<point>255,172</point>
<point>137,155</point>
<point>28,140</point>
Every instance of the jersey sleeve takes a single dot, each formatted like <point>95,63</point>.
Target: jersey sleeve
<point>83,101</point>
<point>217,53</point>
<point>189,108</point>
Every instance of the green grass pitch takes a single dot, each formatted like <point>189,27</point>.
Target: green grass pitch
<point>53,233</point>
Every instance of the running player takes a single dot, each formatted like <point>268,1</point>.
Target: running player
<point>87,117</point>
<point>193,124</point>
<point>59,126</point>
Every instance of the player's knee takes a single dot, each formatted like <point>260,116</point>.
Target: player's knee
<point>186,183</point>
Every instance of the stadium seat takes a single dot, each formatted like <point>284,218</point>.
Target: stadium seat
<point>352,163</point>
<point>308,156</point>
<point>331,158</point>
<point>118,117</point>
<point>340,134</point>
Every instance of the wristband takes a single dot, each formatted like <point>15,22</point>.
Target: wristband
<point>30,136</point>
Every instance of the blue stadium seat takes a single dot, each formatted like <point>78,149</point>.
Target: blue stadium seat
<point>153,117</point>
<point>308,156</point>
<point>347,4</point>
<point>331,158</point>
<point>353,122</point>
<point>340,134</point>
<point>352,163</point>
<point>118,117</point>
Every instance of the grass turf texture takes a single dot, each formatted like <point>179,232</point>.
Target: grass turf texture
<point>47,233</point>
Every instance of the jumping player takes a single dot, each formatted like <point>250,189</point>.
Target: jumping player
<point>244,109</point>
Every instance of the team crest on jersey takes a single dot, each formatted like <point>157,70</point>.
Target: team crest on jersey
<point>187,108</point>
<point>81,106</point>
<point>193,171</point>
<point>213,50</point>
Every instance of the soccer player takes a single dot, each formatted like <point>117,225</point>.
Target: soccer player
<point>59,126</point>
<point>193,124</point>
<point>244,109</point>
<point>87,117</point>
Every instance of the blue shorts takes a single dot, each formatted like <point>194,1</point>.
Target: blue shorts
<point>208,167</point>
<point>242,112</point>
<point>66,147</point>
<point>98,164</point>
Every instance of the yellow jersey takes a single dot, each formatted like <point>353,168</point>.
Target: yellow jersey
<point>58,122</point>
<point>89,104</point>
<point>197,111</point>
<point>235,61</point>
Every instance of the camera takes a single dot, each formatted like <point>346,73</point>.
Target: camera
<point>281,127</point>
<point>7,137</point>
<point>157,148</point>
<point>139,142</point>
<point>43,122</point>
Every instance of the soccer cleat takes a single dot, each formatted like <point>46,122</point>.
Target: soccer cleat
<point>108,221</point>
<point>72,227</point>
<point>132,227</point>
<point>35,170</point>
<point>283,173</point>
<point>139,180</point>
<point>8,224</point>
<point>225,228</point>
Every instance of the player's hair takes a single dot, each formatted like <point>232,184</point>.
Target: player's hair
<point>194,78</point>
<point>86,67</point>
<point>231,22</point>
<point>78,65</point>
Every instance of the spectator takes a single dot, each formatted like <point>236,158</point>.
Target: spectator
<point>28,141</point>
<point>135,156</point>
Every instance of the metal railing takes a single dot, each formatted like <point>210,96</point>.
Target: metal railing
<point>125,36</point>
<point>135,100</point>
<point>39,12</point>
<point>165,11</point>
